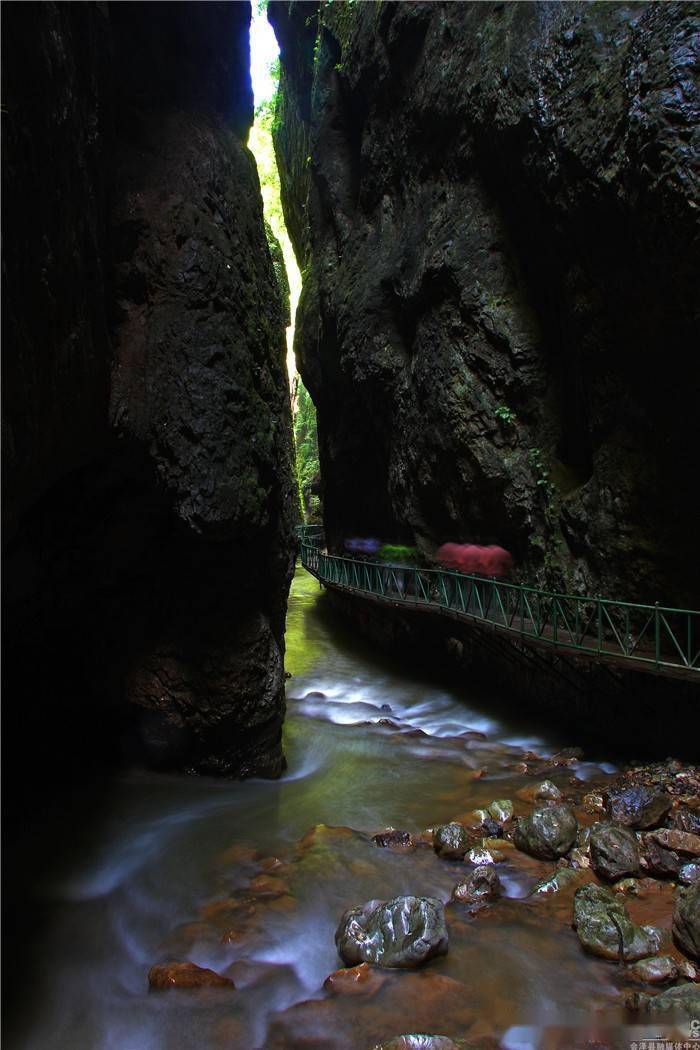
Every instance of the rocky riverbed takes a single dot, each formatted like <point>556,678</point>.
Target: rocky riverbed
<point>431,864</point>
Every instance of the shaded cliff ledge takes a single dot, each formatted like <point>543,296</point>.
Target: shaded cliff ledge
<point>149,484</point>
<point>494,206</point>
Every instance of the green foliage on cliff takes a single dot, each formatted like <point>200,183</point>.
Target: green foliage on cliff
<point>280,272</point>
<point>308,470</point>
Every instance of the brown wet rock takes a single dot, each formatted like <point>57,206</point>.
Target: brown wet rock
<point>423,1042</point>
<point>593,802</point>
<point>268,885</point>
<point>687,819</point>
<point>355,980</point>
<point>679,841</point>
<point>663,863</point>
<point>545,791</point>
<point>325,834</point>
<point>658,970</point>
<point>605,929</point>
<point>411,999</point>
<point>480,886</point>
<point>187,975</point>
<point>392,838</point>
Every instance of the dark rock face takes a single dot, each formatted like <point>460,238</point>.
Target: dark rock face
<point>604,928</point>
<point>614,852</point>
<point>401,933</point>
<point>496,220</point>
<point>548,832</point>
<point>149,480</point>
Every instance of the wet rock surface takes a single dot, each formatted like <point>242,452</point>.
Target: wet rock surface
<point>185,975</point>
<point>548,832</point>
<point>686,920</point>
<point>451,841</point>
<point>482,885</point>
<point>685,999</point>
<point>403,932</point>
<point>614,852</point>
<point>604,928</point>
<point>639,806</point>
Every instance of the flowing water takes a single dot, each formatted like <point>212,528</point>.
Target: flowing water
<point>230,876</point>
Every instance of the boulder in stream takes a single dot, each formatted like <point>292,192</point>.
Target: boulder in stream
<point>605,929</point>
<point>548,832</point>
<point>639,806</point>
<point>686,920</point>
<point>482,884</point>
<point>400,933</point>
<point>451,841</point>
<point>614,852</point>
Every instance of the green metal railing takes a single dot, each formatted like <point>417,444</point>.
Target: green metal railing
<point>653,637</point>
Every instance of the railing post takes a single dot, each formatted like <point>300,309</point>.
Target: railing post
<point>600,624</point>
<point>554,620</point>
<point>657,634</point>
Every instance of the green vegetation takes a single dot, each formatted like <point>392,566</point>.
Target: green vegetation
<point>505,414</point>
<point>540,471</point>
<point>308,470</point>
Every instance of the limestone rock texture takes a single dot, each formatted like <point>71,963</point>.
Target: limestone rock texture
<point>148,483</point>
<point>493,206</point>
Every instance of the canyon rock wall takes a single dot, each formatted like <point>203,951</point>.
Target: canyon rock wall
<point>495,208</point>
<point>149,492</point>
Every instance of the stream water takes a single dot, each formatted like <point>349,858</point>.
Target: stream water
<point>231,876</point>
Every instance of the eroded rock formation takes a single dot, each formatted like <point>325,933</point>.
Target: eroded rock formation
<point>149,485</point>
<point>494,208</point>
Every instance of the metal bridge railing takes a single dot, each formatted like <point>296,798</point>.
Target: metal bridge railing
<point>653,636</point>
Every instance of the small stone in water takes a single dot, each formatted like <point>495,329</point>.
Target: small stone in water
<point>451,841</point>
<point>392,837</point>
<point>483,856</point>
<point>356,980</point>
<point>593,802</point>
<point>630,887</point>
<point>501,810</point>
<point>482,884</point>
<point>165,976</point>
<point>547,792</point>
<point>658,970</point>
<point>421,1042</point>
